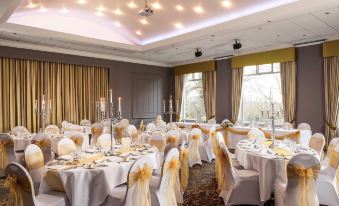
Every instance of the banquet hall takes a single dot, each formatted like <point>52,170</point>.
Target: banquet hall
<point>169,102</point>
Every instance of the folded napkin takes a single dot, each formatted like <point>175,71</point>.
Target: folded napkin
<point>90,158</point>
<point>282,152</point>
<point>266,143</point>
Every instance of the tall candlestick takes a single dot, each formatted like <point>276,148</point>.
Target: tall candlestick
<point>119,104</point>
<point>110,96</point>
<point>170,102</point>
<point>43,102</point>
<point>102,105</point>
<point>177,105</point>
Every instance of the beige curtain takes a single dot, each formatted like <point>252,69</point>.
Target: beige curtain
<point>179,87</point>
<point>331,80</point>
<point>237,77</point>
<point>209,90</point>
<point>288,73</point>
<point>72,89</point>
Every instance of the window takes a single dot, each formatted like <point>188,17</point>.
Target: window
<point>261,86</point>
<point>193,106</point>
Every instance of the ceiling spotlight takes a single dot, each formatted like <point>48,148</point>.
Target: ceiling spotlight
<point>31,5</point>
<point>132,5</point>
<point>179,7</point>
<point>198,53</point>
<point>237,45</point>
<point>118,12</point>
<point>178,25</point>
<point>226,3</point>
<point>198,9</point>
<point>144,21</point>
<point>138,33</point>
<point>82,1</point>
<point>146,11</point>
<point>156,5</point>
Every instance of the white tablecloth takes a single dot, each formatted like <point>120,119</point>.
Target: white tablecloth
<point>271,169</point>
<point>91,186</point>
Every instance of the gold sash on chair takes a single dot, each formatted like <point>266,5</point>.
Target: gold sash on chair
<point>234,131</point>
<point>184,168</point>
<point>223,167</point>
<point>16,187</point>
<point>172,141</point>
<point>173,184</point>
<point>333,161</point>
<point>3,152</point>
<point>195,154</point>
<point>77,141</point>
<point>205,131</point>
<point>160,144</point>
<point>44,143</point>
<point>307,178</point>
<point>292,136</point>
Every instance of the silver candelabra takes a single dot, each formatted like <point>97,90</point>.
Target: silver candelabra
<point>43,111</point>
<point>272,112</point>
<point>170,111</point>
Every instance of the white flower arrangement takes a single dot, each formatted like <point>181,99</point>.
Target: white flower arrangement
<point>226,123</point>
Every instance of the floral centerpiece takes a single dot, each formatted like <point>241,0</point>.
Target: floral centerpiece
<point>226,123</point>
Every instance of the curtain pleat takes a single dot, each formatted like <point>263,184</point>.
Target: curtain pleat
<point>72,89</point>
<point>179,87</point>
<point>331,80</point>
<point>237,78</point>
<point>288,74</point>
<point>209,83</point>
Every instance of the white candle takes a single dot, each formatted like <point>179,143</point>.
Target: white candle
<point>50,104</point>
<point>170,102</point>
<point>102,105</point>
<point>119,104</point>
<point>43,102</point>
<point>35,105</point>
<point>110,96</point>
<point>164,103</point>
<point>177,105</point>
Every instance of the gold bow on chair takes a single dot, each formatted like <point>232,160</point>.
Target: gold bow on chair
<point>16,188</point>
<point>234,131</point>
<point>172,141</point>
<point>142,176</point>
<point>173,187</point>
<point>293,135</point>
<point>3,153</point>
<point>77,141</point>
<point>223,169</point>
<point>306,178</point>
<point>195,147</point>
<point>97,131</point>
<point>205,131</point>
<point>184,168</point>
<point>42,143</point>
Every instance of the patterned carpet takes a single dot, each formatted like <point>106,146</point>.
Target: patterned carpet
<point>202,187</point>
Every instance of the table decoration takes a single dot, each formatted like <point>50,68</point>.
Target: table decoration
<point>42,111</point>
<point>170,111</point>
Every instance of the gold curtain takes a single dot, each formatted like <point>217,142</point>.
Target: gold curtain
<point>331,80</point>
<point>288,74</point>
<point>209,91</point>
<point>179,87</point>
<point>72,89</point>
<point>237,77</point>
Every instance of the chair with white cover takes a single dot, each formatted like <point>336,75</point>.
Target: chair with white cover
<point>172,126</point>
<point>306,133</point>
<point>334,142</point>
<point>151,127</point>
<point>44,142</point>
<point>304,126</point>
<point>236,186</point>
<point>184,166</point>
<point>52,129</point>
<point>133,131</point>
<point>97,130</point>
<point>66,146</point>
<point>287,126</point>
<point>136,191</point>
<point>76,137</point>
<point>159,141</point>
<point>193,147</point>
<point>256,134</point>
<point>65,124</point>
<point>19,182</point>
<point>35,164</point>
<point>206,149</point>
<point>327,183</point>
<point>172,140</point>
<point>85,122</point>
<point>19,130</point>
<point>104,141</point>
<point>166,190</point>
<point>317,142</point>
<point>7,153</point>
<point>302,173</point>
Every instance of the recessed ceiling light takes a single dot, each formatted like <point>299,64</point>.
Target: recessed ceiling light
<point>132,5</point>
<point>31,5</point>
<point>117,24</point>
<point>138,33</point>
<point>144,21</point>
<point>198,9</point>
<point>99,13</point>
<point>226,3</point>
<point>42,9</point>
<point>64,10</point>
<point>118,12</point>
<point>178,25</point>
<point>82,1</point>
<point>156,5</point>
<point>179,7</point>
<point>101,8</point>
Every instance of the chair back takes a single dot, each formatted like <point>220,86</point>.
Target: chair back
<point>334,142</point>
<point>173,138</point>
<point>104,141</point>
<point>66,146</point>
<point>133,131</point>
<point>151,127</point>
<point>138,179</point>
<point>52,129</point>
<point>7,154</point>
<point>317,142</point>
<point>158,140</point>
<point>304,126</point>
<point>193,147</point>
<point>76,137</point>
<point>85,122</point>
<point>287,126</point>
<point>19,130</point>
<point>184,166</point>
<point>256,134</point>
<point>97,130</point>
<point>75,128</point>
<point>35,163</point>
<point>171,126</point>
<point>124,123</point>
<point>44,142</point>
<point>225,170</point>
<point>302,173</point>
<point>20,185</point>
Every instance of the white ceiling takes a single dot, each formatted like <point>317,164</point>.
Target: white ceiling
<point>278,27</point>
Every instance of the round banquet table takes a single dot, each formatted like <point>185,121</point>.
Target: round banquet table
<point>269,163</point>
<point>85,186</point>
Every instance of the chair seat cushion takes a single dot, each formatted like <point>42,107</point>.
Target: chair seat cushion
<point>52,198</point>
<point>117,195</point>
